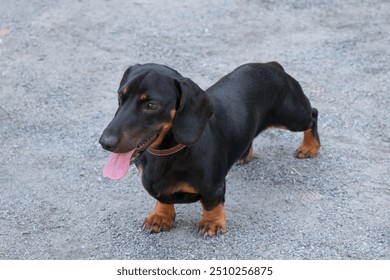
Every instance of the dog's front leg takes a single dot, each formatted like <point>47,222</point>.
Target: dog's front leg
<point>213,221</point>
<point>161,218</point>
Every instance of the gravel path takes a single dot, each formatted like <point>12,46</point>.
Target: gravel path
<point>60,66</point>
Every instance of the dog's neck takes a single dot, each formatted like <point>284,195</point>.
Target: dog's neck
<point>168,146</point>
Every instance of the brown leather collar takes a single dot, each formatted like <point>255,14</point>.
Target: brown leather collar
<point>166,152</point>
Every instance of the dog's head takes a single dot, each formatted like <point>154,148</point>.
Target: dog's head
<point>152,100</point>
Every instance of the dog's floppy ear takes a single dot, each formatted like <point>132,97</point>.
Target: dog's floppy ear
<point>192,114</point>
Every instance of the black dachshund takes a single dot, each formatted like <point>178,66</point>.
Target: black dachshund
<point>184,140</point>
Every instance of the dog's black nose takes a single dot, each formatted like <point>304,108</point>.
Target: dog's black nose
<point>109,141</point>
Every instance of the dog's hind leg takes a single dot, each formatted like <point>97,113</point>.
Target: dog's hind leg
<point>311,140</point>
<point>247,156</point>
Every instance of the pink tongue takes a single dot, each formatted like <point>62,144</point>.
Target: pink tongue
<point>117,165</point>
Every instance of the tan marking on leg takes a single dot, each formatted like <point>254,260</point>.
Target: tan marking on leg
<point>247,158</point>
<point>309,146</point>
<point>213,221</point>
<point>161,218</point>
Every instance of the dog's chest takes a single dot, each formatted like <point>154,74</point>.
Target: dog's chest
<point>168,184</point>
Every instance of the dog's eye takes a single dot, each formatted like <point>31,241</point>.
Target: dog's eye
<point>151,106</point>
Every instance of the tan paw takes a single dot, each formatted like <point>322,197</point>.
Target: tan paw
<point>309,147</point>
<point>161,218</point>
<point>213,222</point>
